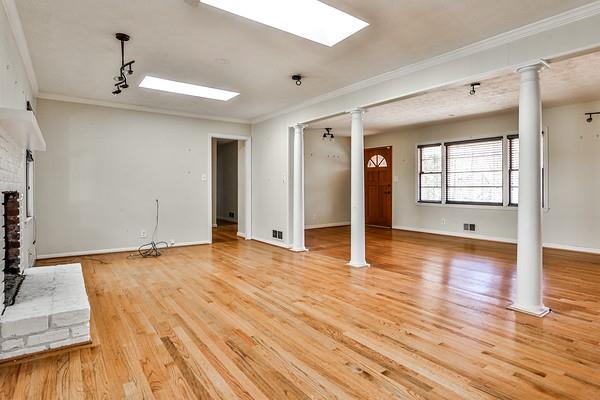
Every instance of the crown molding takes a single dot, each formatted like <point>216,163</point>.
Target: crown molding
<point>14,21</point>
<point>131,107</point>
<point>567,17</point>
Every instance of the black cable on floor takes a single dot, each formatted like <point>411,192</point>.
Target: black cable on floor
<point>153,248</point>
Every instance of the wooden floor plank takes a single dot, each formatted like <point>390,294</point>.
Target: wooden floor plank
<point>244,320</point>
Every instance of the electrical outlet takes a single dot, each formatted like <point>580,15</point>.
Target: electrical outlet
<point>279,235</point>
<point>472,227</point>
<point>274,233</point>
<point>231,214</point>
<point>466,227</point>
<point>143,234</point>
<point>443,221</point>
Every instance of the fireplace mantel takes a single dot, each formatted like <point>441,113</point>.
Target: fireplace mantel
<point>22,127</point>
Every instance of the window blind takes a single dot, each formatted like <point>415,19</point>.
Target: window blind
<point>474,172</point>
<point>513,170</point>
<point>430,173</point>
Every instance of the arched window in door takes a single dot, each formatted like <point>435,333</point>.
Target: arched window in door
<point>377,161</point>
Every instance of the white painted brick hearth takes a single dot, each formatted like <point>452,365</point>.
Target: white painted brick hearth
<point>51,311</point>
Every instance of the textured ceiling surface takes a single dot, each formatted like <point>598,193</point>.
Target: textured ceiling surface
<point>567,81</point>
<point>75,54</point>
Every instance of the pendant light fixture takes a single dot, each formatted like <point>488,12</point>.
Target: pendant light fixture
<point>125,69</point>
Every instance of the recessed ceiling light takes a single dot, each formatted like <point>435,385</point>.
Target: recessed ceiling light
<point>310,19</point>
<point>165,85</point>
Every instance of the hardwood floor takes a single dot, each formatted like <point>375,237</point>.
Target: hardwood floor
<point>247,320</point>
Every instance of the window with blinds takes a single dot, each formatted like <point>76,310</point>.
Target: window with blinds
<point>430,173</point>
<point>474,172</point>
<point>513,170</point>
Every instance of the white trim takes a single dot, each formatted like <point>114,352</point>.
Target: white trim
<point>242,235</point>
<point>569,247</point>
<point>132,107</point>
<point>215,226</point>
<point>328,225</point>
<point>272,242</point>
<point>12,14</point>
<point>504,38</point>
<point>113,250</point>
<point>476,236</point>
<point>247,181</point>
<point>472,206</point>
<point>457,234</point>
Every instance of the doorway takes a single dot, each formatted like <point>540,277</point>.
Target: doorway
<point>378,186</point>
<point>229,185</point>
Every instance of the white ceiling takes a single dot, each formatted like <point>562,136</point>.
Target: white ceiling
<point>75,54</point>
<point>567,81</point>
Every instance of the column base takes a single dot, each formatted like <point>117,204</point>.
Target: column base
<point>535,311</point>
<point>358,265</point>
<point>298,250</point>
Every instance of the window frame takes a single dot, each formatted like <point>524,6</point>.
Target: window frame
<point>544,166</point>
<point>420,173</point>
<point>505,206</point>
<point>471,141</point>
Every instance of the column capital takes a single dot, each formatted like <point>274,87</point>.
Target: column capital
<point>299,128</point>
<point>357,111</point>
<point>536,66</point>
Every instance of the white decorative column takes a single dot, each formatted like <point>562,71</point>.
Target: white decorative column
<point>357,191</point>
<point>298,201</point>
<point>529,245</point>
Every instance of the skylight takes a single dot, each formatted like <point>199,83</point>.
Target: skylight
<point>165,85</point>
<point>310,19</point>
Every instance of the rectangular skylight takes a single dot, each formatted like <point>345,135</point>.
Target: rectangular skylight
<point>151,82</point>
<point>310,19</point>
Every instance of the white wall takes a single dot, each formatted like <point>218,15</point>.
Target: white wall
<point>499,55</point>
<point>574,171</point>
<point>227,181</point>
<point>326,180</point>
<point>103,168</point>
<point>15,91</point>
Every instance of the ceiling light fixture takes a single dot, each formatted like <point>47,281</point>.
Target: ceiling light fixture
<point>328,135</point>
<point>310,19</point>
<point>298,79</point>
<point>474,87</point>
<point>165,85</point>
<point>121,79</point>
<point>589,116</point>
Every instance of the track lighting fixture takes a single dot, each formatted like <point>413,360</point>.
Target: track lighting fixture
<point>474,87</point>
<point>126,67</point>
<point>298,79</point>
<point>589,116</point>
<point>328,135</point>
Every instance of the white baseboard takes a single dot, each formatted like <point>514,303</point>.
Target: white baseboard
<point>215,226</point>
<point>499,239</point>
<point>329,225</point>
<point>272,242</point>
<point>572,248</point>
<point>113,250</point>
<point>242,235</point>
<point>457,234</point>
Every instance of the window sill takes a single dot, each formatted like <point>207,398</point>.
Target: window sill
<point>470,206</point>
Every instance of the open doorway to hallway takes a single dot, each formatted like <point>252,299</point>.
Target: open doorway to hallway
<point>230,163</point>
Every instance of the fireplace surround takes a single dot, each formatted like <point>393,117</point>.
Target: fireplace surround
<point>11,254</point>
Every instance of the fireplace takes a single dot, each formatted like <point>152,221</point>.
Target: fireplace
<point>12,246</point>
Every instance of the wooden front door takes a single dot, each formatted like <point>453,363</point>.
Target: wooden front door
<point>378,186</point>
